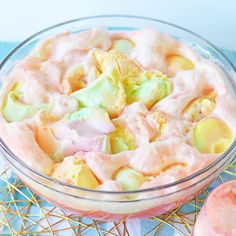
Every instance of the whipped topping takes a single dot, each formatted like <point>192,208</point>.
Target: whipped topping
<point>60,78</point>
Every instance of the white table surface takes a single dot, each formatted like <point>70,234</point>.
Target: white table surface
<point>215,20</point>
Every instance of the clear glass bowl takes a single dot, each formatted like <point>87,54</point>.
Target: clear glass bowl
<point>109,205</point>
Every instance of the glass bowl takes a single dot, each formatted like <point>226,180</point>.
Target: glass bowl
<point>108,205</point>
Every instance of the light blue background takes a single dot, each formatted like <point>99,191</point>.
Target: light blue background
<point>215,20</point>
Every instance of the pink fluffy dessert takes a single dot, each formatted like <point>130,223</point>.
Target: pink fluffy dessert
<point>218,215</point>
<point>118,112</point>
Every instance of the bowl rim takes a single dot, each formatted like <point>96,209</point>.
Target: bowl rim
<point>160,187</point>
<point>121,193</point>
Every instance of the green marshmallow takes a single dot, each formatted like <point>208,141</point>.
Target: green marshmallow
<point>105,92</point>
<point>82,114</point>
<point>14,110</point>
<point>129,178</point>
<point>121,140</point>
<point>122,45</point>
<point>151,89</point>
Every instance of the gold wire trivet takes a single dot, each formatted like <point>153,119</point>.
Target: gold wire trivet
<point>24,213</point>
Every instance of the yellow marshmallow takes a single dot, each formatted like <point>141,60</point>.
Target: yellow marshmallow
<point>177,63</point>
<point>212,135</point>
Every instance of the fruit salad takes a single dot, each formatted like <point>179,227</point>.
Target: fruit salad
<point>116,111</point>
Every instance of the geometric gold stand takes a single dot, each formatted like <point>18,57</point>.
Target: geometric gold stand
<point>24,213</point>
